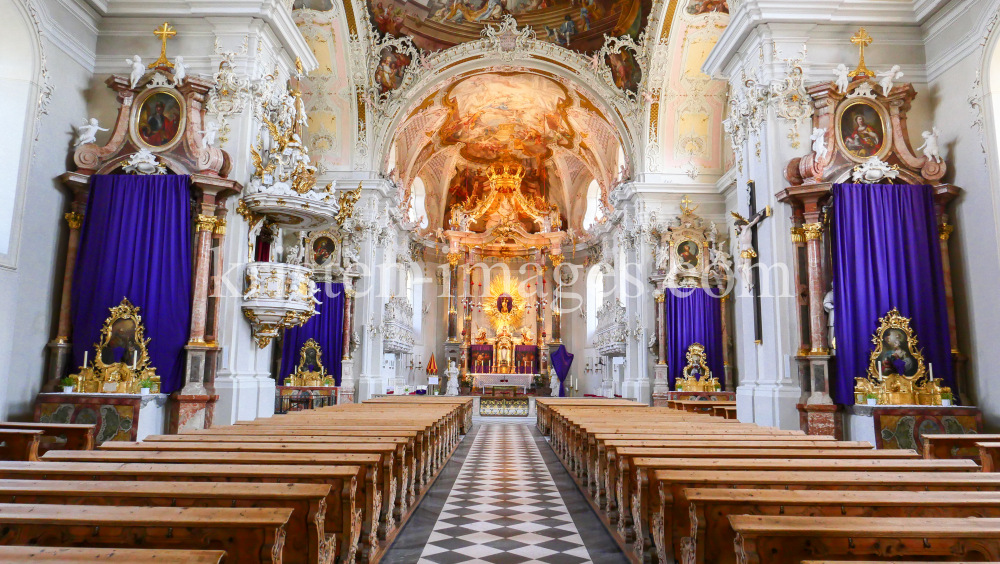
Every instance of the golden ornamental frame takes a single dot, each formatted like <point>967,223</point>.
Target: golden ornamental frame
<point>895,320</point>
<point>335,260</point>
<point>898,389</point>
<point>696,359</point>
<point>124,377</point>
<point>133,121</point>
<point>883,115</point>
<point>303,377</point>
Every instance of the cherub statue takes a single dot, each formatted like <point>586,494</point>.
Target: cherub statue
<point>87,133</point>
<point>180,71</point>
<point>208,136</point>
<point>744,236</point>
<point>843,81</point>
<point>138,70</point>
<point>452,374</point>
<point>296,283</point>
<point>527,336</point>
<point>277,246</point>
<point>253,282</point>
<point>819,143</point>
<point>887,78</point>
<point>311,290</point>
<point>931,148</point>
<point>554,382</point>
<point>294,255</point>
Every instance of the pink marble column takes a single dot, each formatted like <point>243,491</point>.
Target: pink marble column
<point>661,330</point>
<point>817,288</point>
<point>203,256</point>
<point>75,221</point>
<point>348,330</point>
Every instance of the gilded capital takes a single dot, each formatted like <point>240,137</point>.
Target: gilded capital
<point>660,297</point>
<point>813,231</point>
<point>453,258</point>
<point>75,220</point>
<point>798,235</point>
<point>205,222</point>
<point>556,260</point>
<point>946,231</point>
<point>220,226</point>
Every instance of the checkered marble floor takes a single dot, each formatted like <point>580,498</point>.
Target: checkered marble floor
<point>504,507</point>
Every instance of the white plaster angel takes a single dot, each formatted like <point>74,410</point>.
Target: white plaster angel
<point>888,77</point>
<point>931,147</point>
<point>554,382</point>
<point>311,290</point>
<point>843,81</point>
<point>87,133</point>
<point>351,257</point>
<point>296,279</point>
<point>452,374</point>
<point>253,282</point>
<point>180,71</point>
<point>294,256</point>
<point>819,143</point>
<point>138,70</point>
<point>209,134</point>
<point>277,246</point>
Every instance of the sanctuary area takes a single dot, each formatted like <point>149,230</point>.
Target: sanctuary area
<point>567,269</point>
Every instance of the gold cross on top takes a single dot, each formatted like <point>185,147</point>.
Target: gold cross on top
<point>862,40</point>
<point>163,33</point>
<point>686,204</point>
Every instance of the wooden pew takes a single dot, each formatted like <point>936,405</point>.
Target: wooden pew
<point>20,444</point>
<point>246,535</point>
<point>75,436</point>
<point>344,518</point>
<point>379,487</point>
<point>941,446</point>
<point>49,555</point>
<point>789,540</point>
<point>712,536</point>
<point>989,456</point>
<point>306,540</point>
<point>667,520</point>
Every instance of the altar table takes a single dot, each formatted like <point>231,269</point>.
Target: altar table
<point>119,417</point>
<point>900,426</point>
<point>522,381</point>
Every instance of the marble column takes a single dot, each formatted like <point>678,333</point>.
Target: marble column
<point>945,231</point>
<point>556,300</point>
<point>661,383</point>
<point>60,349</point>
<point>817,288</point>
<point>347,357</point>
<point>453,259</point>
<point>197,348</point>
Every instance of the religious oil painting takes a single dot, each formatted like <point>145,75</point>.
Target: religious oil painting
<point>862,130</point>
<point>159,120</point>
<point>896,357</point>
<point>391,69</point>
<point>122,346</point>
<point>624,69</point>
<point>580,25</point>
<point>323,250</point>
<point>697,7</point>
<point>688,252</point>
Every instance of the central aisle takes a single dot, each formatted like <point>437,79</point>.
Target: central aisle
<point>503,507</point>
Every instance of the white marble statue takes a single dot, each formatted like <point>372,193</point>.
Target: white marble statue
<point>887,78</point>
<point>311,290</point>
<point>554,382</point>
<point>452,374</point>
<point>253,282</point>
<point>277,245</point>
<point>208,136</point>
<point>819,143</point>
<point>744,237</point>
<point>931,148</point>
<point>829,307</point>
<point>87,133</point>
<point>138,70</point>
<point>180,71</point>
<point>843,81</point>
<point>296,281</point>
<point>294,255</point>
<point>351,257</point>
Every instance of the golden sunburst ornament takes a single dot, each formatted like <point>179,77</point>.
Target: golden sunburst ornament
<point>504,306</point>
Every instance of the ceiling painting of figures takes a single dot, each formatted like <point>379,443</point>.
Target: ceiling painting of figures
<point>580,25</point>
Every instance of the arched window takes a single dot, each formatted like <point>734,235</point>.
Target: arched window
<point>418,210</point>
<point>19,52</point>
<point>592,214</point>
<point>595,298</point>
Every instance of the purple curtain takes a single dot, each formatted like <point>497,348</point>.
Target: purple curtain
<point>527,353</point>
<point>561,361</point>
<point>136,244</point>
<point>480,358</point>
<point>886,254</point>
<point>326,328</point>
<point>693,315</point>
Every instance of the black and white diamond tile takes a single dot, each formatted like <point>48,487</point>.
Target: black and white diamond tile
<point>504,508</point>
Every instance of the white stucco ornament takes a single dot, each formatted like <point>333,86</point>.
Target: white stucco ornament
<point>819,143</point>
<point>144,162</point>
<point>87,133</point>
<point>931,147</point>
<point>873,170</point>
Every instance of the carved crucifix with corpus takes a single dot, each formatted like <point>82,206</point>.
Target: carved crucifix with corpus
<point>746,236</point>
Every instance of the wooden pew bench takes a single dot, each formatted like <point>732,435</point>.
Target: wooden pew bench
<point>70,436</point>
<point>20,444</point>
<point>379,493</point>
<point>49,555</point>
<point>344,517</point>
<point>989,456</point>
<point>635,492</point>
<point>789,540</point>
<point>944,446</point>
<point>712,536</point>
<point>306,540</point>
<point>667,520</point>
<point>246,535</point>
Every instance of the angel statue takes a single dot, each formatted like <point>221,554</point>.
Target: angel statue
<point>209,134</point>
<point>87,133</point>
<point>931,148</point>
<point>138,70</point>
<point>744,238</point>
<point>554,382</point>
<point>819,143</point>
<point>843,82</point>
<point>180,71</point>
<point>887,78</point>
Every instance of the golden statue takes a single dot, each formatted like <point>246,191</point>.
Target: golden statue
<point>697,377</point>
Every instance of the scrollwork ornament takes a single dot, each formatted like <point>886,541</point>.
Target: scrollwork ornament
<point>790,99</point>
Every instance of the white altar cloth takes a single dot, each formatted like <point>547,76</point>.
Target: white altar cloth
<point>522,381</point>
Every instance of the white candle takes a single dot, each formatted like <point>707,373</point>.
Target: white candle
<point>930,366</point>
<point>85,353</point>
<point>135,358</point>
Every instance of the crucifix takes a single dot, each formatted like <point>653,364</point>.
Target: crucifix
<point>862,40</point>
<point>163,33</point>
<point>746,236</point>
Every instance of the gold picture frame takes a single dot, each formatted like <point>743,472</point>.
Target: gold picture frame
<point>122,329</point>
<point>689,382</point>
<point>858,142</point>
<point>167,130</point>
<point>310,354</point>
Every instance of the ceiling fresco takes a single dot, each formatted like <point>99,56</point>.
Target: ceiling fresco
<point>580,25</point>
<point>558,135</point>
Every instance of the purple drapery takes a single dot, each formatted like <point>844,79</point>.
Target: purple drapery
<point>693,315</point>
<point>480,358</point>
<point>136,244</point>
<point>561,361</point>
<point>886,254</point>
<point>525,352</point>
<point>326,328</point>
